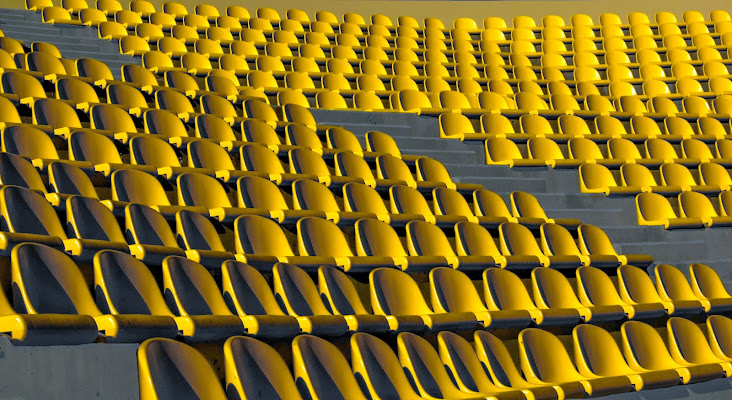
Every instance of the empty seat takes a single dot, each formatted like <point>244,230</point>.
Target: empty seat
<point>501,365</point>
<point>525,205</point>
<point>678,175</point>
<point>425,239</point>
<point>257,157</point>
<point>598,344</point>
<point>322,238</point>
<point>168,368</point>
<point>654,209</point>
<point>305,161</point>
<point>636,288</point>
<point>708,288</point>
<point>689,345</point>
<point>261,242</point>
<point>200,239</point>
<point>503,290</point>
<point>595,288</point>
<point>396,295</point>
<point>150,235</point>
<point>132,186</point>
<point>394,168</point>
<point>645,349</point>
<point>377,238</point>
<point>594,241</point>
<point>353,165</point>
<point>92,227</point>
<point>474,240</point>
<point>406,200</point>
<point>517,240</point>
<point>247,361</point>
<point>451,202</point>
<point>380,142</point>
<point>198,190</point>
<point>452,291</point>
<point>311,195</point>
<point>698,205</point>
<point>552,290</point>
<point>597,178</point>
<point>28,217</point>
<point>322,370</point>
<point>431,170</point>
<point>362,198</point>
<point>194,295</point>
<point>551,364</point>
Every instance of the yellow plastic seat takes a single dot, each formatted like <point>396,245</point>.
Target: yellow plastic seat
<point>654,209</point>
<point>431,170</point>
<point>542,365</point>
<point>426,239</point>
<point>300,297</point>
<point>640,177</point>
<point>258,158</point>
<point>526,206</point>
<point>29,218</point>
<point>376,238</point>
<point>661,149</point>
<point>311,195</point>
<point>552,290</point>
<point>203,191</point>
<point>688,345</point>
<point>58,15</point>
<point>593,241</point>
<point>163,363</point>
<point>361,198</point>
<point>380,142</point>
<point>637,290</point>
<point>541,148</point>
<point>247,360</point>
<point>406,200</point>
<point>423,365</point>
<point>708,288</point>
<point>557,242</point>
<point>502,151</point>
<point>150,235</point>
<point>503,290</point>
<point>711,173</point>
<point>451,202</point>
<point>196,296</point>
<point>322,238</point>
<point>131,295</point>
<point>595,288</point>
<point>451,291</point>
<point>92,227</point>
<point>698,205</point>
<point>393,168</point>
<point>678,175</point>
<point>597,178</point>
<point>645,349</point>
<point>594,344</point>
<point>200,239</point>
<point>389,291</point>
<point>323,370</point>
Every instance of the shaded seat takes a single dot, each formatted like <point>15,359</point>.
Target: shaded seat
<point>453,291</point>
<point>395,295</point>
<point>594,241</point>
<point>249,295</point>
<point>688,345</point>
<point>503,290</point>
<point>150,235</point>
<point>654,209</point>
<point>92,227</point>
<point>425,239</point>
<point>525,205</point>
<point>362,198</point>
<point>200,239</point>
<point>194,295</point>
<point>264,198</point>
<point>311,195</point>
<point>595,288</point>
<point>709,289</point>
<point>170,368</point>
<point>557,241</point>
<point>636,289</point>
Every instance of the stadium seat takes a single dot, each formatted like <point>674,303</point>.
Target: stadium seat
<point>323,370</point>
<point>645,349</point>
<point>377,238</point>
<point>595,288</point>
<point>503,290</point>
<point>167,367</point>
<point>599,344</point>
<point>247,360</point>
<point>636,288</point>
<point>195,296</point>
<point>389,288</point>
<point>654,209</point>
<point>555,366</point>
<point>708,288</point>
<point>594,241</point>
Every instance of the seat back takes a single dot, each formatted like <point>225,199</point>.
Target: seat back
<point>296,291</point>
<point>426,239</point>
<point>261,236</point>
<point>246,290</point>
<point>191,288</point>
<point>196,232</point>
<point>453,291</point>
<point>516,239</point>
<point>377,238</point>
<point>503,290</point>
<point>87,218</point>
<point>320,237</point>
<point>17,171</point>
<point>472,239</point>
<point>393,292</point>
<point>196,189</point>
<point>339,293</point>
<point>26,211</point>
<point>144,225</point>
<point>551,289</point>
<point>138,187</point>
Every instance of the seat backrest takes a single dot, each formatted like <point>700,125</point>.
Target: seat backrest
<point>471,239</point>
<point>696,205</point>
<point>463,364</point>
<point>644,347</point>
<point>525,204</point>
<point>672,284</point>
<point>339,293</point>
<point>551,289</point>
<point>323,370</point>
<point>596,176</point>
<point>676,175</point>
<point>87,218</point>
<point>500,363</point>
<point>213,127</point>
<point>406,200</point>
<point>597,352</point>
<point>426,239</point>
<point>381,142</point>
<point>206,154</point>
<point>352,165</point>
<point>635,286</point>
<point>320,237</point>
<point>362,198</point>
<point>516,239</point>
<point>450,202</point>
<point>197,232</point>
<point>191,288</point>
<point>256,370</point>
<point>18,171</point>
<point>556,240</point>
<point>152,151</point>
<point>706,283</point>
<point>68,179</point>
<point>297,291</point>
<point>125,285</point>
<point>489,204</point>
<point>503,290</point>
<point>136,186</point>
<point>47,281</point>
<point>26,211</point>
<point>144,225</point>
<point>595,288</point>
<point>306,161</point>
<point>311,195</point>
<point>256,157</point>
<point>453,291</point>
<point>537,363</point>
<point>246,290</point>
<point>377,238</point>
<point>593,240</point>
<point>196,189</point>
<point>93,147</point>
<point>262,236</point>
<point>394,292</point>
<point>171,368</point>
